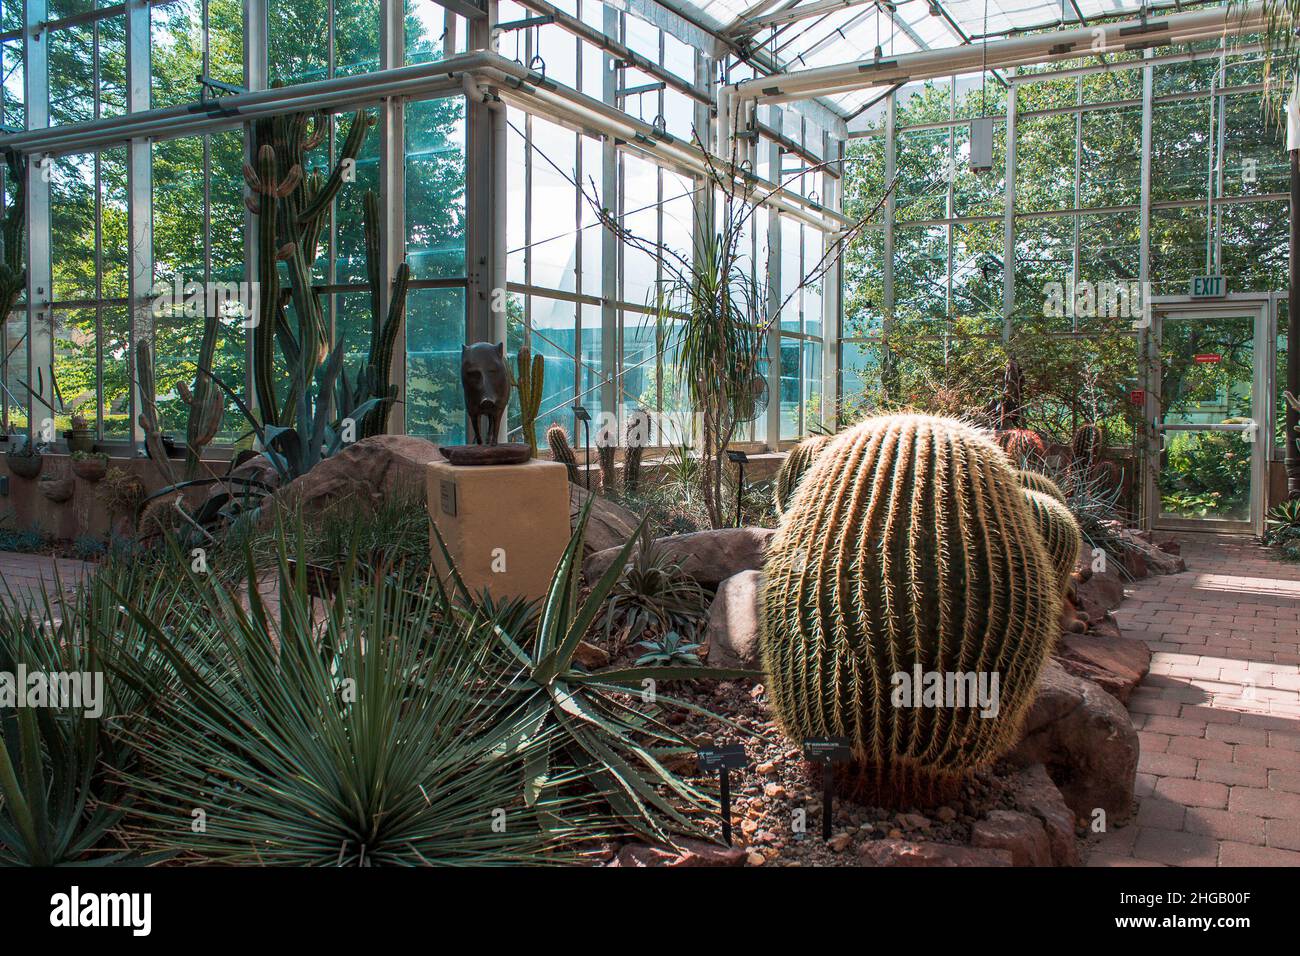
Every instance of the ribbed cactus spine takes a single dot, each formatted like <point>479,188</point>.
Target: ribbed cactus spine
<point>909,549</point>
<point>795,466</point>
<point>148,418</point>
<point>530,380</point>
<point>1059,533</point>
<point>562,451</point>
<point>375,380</point>
<point>637,437</point>
<point>1037,481</point>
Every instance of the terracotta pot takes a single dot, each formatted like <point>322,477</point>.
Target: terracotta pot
<point>25,466</point>
<point>57,490</point>
<point>90,469</point>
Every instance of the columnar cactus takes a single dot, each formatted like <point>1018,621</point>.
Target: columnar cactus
<point>1088,442</point>
<point>606,454</point>
<point>794,467</point>
<point>530,380</point>
<point>909,548</point>
<point>1059,533</point>
<point>638,436</point>
<point>562,451</point>
<point>1037,481</point>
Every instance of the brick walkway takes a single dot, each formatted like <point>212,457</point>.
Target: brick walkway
<point>1219,714</point>
<point>23,575</point>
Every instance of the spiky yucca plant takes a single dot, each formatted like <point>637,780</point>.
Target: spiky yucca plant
<point>1059,533</point>
<point>1037,481</point>
<point>910,544</point>
<point>795,466</point>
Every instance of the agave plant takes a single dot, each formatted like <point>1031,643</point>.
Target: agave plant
<point>1282,528</point>
<point>654,595</point>
<point>588,724</point>
<point>671,648</point>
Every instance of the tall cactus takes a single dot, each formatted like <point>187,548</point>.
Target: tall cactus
<point>607,455</point>
<point>148,418</point>
<point>910,545</point>
<point>1037,481</point>
<point>375,380</point>
<point>795,466</point>
<point>562,451</point>
<point>530,380</point>
<point>1059,533</point>
<point>637,437</point>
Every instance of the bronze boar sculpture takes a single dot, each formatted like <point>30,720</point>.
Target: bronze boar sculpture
<point>485,379</point>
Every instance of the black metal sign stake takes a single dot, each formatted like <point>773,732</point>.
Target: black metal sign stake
<point>827,751</point>
<point>723,759</point>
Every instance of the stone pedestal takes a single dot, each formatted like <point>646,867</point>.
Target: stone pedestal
<point>506,526</point>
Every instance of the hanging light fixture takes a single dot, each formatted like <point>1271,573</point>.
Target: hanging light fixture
<point>981,129</point>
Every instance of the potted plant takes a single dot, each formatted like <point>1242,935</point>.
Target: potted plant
<point>57,488</point>
<point>89,466</point>
<point>80,437</point>
<point>23,458</point>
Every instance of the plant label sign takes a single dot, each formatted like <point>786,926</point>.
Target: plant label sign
<point>723,760</point>
<point>1207,358</point>
<point>728,757</point>
<point>826,750</point>
<point>1208,287</point>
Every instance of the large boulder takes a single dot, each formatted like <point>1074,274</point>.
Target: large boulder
<point>1084,737</point>
<point>1020,834</point>
<point>731,638</point>
<point>708,556</point>
<point>367,471</point>
<point>1116,664</point>
<point>609,526</point>
<point>1154,557</point>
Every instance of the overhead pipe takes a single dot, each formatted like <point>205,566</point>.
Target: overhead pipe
<point>1047,47</point>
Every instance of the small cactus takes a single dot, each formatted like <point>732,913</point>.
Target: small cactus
<point>1037,481</point>
<point>606,454</point>
<point>910,545</point>
<point>1059,533</point>
<point>794,467</point>
<point>562,451</point>
<point>1088,442</point>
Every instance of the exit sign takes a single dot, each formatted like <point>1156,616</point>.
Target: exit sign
<point>1208,287</point>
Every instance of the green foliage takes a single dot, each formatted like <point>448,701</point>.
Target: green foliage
<point>867,578</point>
<point>1282,529</point>
<point>24,540</point>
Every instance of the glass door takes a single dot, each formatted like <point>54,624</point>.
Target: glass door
<point>1210,469</point>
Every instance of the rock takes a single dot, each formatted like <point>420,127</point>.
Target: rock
<point>609,526</point>
<point>1037,795</point>
<point>731,638</point>
<point>755,858</point>
<point>1086,741</point>
<point>368,471</point>
<point>708,556</point>
<point>1116,664</point>
<point>1020,834</point>
<point>1155,559</point>
<point>895,852</point>
<point>946,814</point>
<point>590,655</point>
<point>686,852</point>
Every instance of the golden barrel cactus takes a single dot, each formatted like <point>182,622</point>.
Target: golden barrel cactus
<point>910,550</point>
<point>1037,481</point>
<point>1059,533</point>
<point>794,467</point>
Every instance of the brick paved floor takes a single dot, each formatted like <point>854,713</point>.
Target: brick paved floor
<point>23,575</point>
<point>1219,714</point>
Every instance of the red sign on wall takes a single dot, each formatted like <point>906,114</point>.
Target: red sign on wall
<point>1207,358</point>
<point>1138,397</point>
